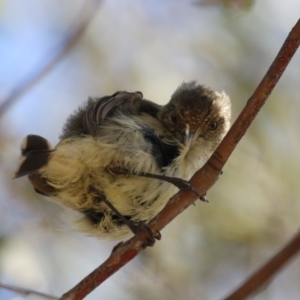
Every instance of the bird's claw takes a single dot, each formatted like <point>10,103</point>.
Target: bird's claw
<point>136,228</point>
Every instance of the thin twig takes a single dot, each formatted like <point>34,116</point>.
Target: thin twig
<point>76,32</point>
<point>202,180</point>
<point>26,292</point>
<point>267,271</point>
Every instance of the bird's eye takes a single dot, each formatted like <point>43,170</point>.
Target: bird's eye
<point>213,126</point>
<point>174,118</point>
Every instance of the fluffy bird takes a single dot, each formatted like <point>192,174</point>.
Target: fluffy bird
<point>128,133</point>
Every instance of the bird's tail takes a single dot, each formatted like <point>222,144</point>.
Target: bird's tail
<point>35,153</point>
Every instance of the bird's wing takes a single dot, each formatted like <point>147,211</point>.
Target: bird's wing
<point>96,113</point>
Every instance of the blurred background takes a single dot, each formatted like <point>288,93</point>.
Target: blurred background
<point>152,46</point>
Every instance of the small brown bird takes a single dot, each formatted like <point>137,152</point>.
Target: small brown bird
<point>126,132</point>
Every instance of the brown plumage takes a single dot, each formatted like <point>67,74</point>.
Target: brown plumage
<point>126,131</point>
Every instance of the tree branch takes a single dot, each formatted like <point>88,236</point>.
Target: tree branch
<point>87,14</point>
<point>265,273</point>
<point>202,180</point>
<point>26,292</point>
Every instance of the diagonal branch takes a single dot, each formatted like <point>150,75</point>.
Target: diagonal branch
<point>26,292</point>
<point>265,273</point>
<point>67,44</point>
<point>202,180</point>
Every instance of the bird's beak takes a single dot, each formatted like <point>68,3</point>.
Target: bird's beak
<point>187,134</point>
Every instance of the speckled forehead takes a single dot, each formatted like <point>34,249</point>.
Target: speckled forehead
<point>194,118</point>
<point>200,116</point>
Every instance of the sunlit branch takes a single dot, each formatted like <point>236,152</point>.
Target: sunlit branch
<point>202,180</point>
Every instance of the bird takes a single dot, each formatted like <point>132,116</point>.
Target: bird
<point>110,146</point>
